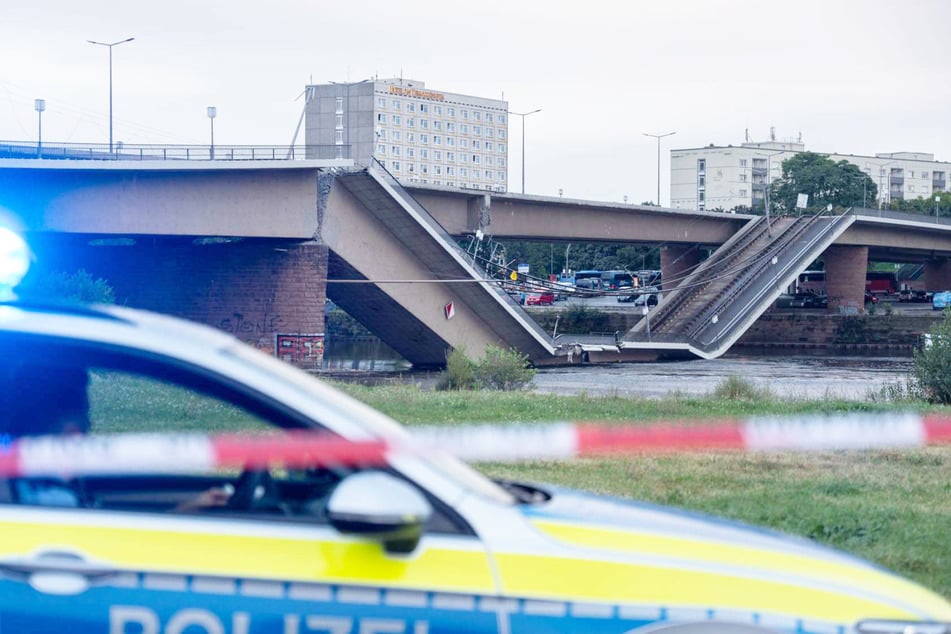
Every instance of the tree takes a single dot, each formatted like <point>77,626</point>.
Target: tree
<point>826,182</point>
<point>924,206</point>
<point>931,374</point>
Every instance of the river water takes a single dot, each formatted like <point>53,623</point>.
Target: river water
<point>850,378</point>
<point>785,376</point>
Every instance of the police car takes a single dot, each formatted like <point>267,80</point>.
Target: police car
<point>421,544</point>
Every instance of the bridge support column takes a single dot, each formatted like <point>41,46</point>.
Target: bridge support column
<point>269,294</point>
<point>677,262</point>
<point>846,268</point>
<point>938,274</point>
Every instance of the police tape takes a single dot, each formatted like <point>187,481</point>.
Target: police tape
<point>184,452</point>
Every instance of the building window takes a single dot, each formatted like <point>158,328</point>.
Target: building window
<point>476,159</point>
<point>502,134</point>
<point>464,172</point>
<point>424,124</point>
<point>410,106</point>
<point>339,122</point>
<point>450,156</point>
<point>701,166</point>
<point>476,115</point>
<point>911,174</point>
<point>502,148</point>
<point>437,140</point>
<point>410,152</point>
<point>742,178</point>
<point>424,107</point>
<point>488,146</point>
<point>381,102</point>
<point>424,153</point>
<point>381,118</point>
<point>476,174</point>
<point>395,150</point>
<point>465,114</point>
<point>742,162</point>
<point>411,122</point>
<point>424,169</point>
<point>501,161</point>
<point>380,148</point>
<point>411,167</point>
<point>502,119</point>
<point>397,120</point>
<point>464,143</point>
<point>424,138</point>
<point>410,137</point>
<point>450,126</point>
<point>437,169</point>
<point>477,130</point>
<point>489,161</point>
<point>339,105</point>
<point>396,135</point>
<point>450,171</point>
<point>437,110</point>
<point>395,104</point>
<point>489,132</point>
<point>451,141</point>
<point>450,112</point>
<point>437,155</point>
<point>437,125</point>
<point>742,193</point>
<point>396,166</point>
<point>501,176</point>
<point>381,133</point>
<point>464,129</point>
<point>924,175</point>
<point>476,144</point>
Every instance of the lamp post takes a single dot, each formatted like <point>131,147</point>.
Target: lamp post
<point>110,45</point>
<point>658,137</point>
<point>39,105</point>
<point>212,113</point>
<point>523,115</point>
<point>769,173</point>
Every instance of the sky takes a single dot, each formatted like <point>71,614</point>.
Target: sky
<point>851,76</point>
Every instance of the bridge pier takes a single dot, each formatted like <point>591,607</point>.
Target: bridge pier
<point>268,293</point>
<point>938,274</point>
<point>846,268</point>
<point>677,262</point>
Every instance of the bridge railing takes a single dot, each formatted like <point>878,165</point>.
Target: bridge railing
<point>903,215</point>
<point>127,152</point>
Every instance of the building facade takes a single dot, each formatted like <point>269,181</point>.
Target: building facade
<point>419,135</point>
<point>735,177</point>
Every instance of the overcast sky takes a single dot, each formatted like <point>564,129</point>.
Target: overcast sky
<point>857,76</point>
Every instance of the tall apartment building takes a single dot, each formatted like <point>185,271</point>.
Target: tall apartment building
<point>419,135</point>
<point>735,177</point>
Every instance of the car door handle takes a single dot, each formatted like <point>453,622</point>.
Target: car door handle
<point>56,572</point>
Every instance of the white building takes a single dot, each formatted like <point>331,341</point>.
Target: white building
<point>735,177</point>
<point>419,135</point>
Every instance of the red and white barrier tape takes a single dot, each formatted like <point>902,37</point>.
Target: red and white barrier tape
<point>176,453</point>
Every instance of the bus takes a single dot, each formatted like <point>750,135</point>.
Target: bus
<point>876,282</point>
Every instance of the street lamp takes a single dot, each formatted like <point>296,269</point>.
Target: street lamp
<point>212,113</point>
<point>658,137</point>
<point>110,80</point>
<point>39,105</point>
<point>523,115</point>
<point>769,174</point>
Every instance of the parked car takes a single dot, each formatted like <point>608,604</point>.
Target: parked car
<point>941,300</point>
<point>802,300</point>
<point>544,298</point>
<point>647,296</point>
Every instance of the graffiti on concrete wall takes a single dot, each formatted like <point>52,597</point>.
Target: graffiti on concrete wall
<point>238,325</point>
<point>301,350</point>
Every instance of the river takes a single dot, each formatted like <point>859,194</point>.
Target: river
<point>785,376</point>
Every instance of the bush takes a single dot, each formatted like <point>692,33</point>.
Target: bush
<point>73,287</point>
<point>498,369</point>
<point>501,369</point>
<point>459,373</point>
<point>737,388</point>
<point>931,373</point>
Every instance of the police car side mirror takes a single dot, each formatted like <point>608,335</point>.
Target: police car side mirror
<point>379,506</point>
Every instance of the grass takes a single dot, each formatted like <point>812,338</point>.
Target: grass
<point>890,507</point>
<point>887,506</point>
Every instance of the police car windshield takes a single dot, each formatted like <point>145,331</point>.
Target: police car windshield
<point>375,424</point>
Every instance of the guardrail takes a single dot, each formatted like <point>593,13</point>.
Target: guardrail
<point>126,152</point>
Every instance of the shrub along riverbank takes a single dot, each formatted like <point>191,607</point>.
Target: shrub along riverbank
<point>892,507</point>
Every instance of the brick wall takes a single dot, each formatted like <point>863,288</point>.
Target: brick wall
<point>268,294</point>
<point>846,268</point>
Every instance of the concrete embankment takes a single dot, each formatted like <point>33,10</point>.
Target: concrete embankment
<point>795,331</point>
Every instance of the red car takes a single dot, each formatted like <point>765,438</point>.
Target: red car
<point>545,298</point>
